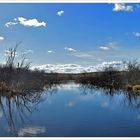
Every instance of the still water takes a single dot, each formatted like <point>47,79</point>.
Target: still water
<point>71,110</point>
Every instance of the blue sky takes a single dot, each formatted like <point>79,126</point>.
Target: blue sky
<point>85,34</point>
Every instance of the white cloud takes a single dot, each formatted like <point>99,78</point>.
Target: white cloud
<point>122,7</point>
<point>60,68</point>
<point>70,49</point>
<point>137,34</point>
<point>60,13</point>
<point>50,51</point>
<point>75,68</point>
<point>26,22</point>
<point>27,131</point>
<point>109,46</point>
<point>1,38</point>
<point>104,48</point>
<point>10,23</point>
<point>30,22</point>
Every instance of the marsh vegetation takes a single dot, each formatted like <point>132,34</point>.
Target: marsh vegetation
<point>16,77</point>
<point>23,89</point>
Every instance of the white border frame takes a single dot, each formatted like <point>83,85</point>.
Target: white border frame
<point>70,1</point>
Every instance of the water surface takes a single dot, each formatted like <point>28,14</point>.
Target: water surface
<point>71,110</point>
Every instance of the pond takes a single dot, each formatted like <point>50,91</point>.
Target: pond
<point>71,110</point>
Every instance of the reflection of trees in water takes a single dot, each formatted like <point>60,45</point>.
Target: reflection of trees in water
<point>88,88</point>
<point>16,108</point>
<point>130,98</point>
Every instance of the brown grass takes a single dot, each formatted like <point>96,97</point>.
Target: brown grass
<point>136,88</point>
<point>129,87</point>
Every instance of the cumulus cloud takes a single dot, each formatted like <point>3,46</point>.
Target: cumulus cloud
<point>137,34</point>
<point>60,13</point>
<point>27,131</point>
<point>26,22</point>
<point>70,49</point>
<point>1,38</point>
<point>104,48</point>
<point>50,51</point>
<point>30,22</point>
<point>75,68</point>
<point>122,7</point>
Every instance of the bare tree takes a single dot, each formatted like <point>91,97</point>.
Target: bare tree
<point>11,55</point>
